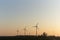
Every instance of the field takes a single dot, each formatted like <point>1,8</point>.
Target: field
<point>29,38</point>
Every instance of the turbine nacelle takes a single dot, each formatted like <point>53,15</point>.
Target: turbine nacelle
<point>36,25</point>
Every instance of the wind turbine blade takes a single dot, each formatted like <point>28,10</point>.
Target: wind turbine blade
<point>34,26</point>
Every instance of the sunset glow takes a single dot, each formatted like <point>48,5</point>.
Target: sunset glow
<point>20,13</point>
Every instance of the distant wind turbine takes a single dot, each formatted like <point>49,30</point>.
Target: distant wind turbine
<point>25,30</point>
<point>17,31</point>
<point>36,28</point>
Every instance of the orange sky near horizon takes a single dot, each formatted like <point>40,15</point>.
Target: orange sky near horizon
<point>20,13</point>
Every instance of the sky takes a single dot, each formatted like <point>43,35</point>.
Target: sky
<point>20,13</point>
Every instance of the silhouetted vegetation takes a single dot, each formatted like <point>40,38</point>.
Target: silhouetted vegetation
<point>31,37</point>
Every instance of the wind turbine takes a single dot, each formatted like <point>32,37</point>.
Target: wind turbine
<point>17,31</point>
<point>25,30</point>
<point>36,28</point>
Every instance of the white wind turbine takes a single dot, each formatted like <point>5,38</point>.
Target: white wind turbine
<point>36,29</point>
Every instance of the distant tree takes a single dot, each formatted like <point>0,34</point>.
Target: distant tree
<point>44,34</point>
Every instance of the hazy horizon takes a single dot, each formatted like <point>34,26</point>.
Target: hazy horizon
<point>20,13</point>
